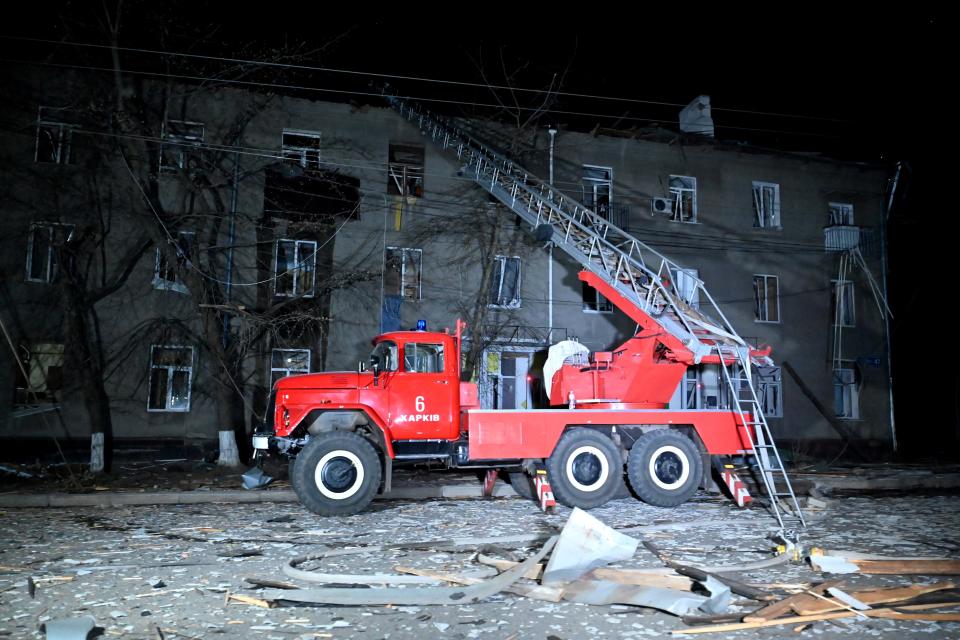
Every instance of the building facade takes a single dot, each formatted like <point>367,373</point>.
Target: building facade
<point>291,231</point>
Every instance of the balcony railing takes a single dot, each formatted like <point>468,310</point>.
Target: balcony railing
<point>841,237</point>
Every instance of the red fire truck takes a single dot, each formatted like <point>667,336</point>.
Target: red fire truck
<point>608,421</point>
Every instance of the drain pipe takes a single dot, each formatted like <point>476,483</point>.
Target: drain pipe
<point>553,136</point>
<point>886,316</point>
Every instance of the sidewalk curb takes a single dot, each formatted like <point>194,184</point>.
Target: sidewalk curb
<point>229,496</point>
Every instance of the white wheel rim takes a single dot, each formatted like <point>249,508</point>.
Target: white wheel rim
<point>318,474</point>
<point>604,468</point>
<point>684,474</point>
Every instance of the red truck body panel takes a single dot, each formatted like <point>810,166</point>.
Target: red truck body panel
<point>534,434</point>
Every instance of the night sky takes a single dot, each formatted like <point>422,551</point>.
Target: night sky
<point>869,87</point>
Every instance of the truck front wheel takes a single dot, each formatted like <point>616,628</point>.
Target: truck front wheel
<point>585,469</point>
<point>664,468</point>
<point>336,474</point>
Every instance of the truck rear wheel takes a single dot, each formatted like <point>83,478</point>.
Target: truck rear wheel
<point>664,468</point>
<point>336,474</point>
<point>585,469</point>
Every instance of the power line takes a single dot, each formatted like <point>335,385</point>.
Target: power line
<point>302,67</point>
<point>289,87</point>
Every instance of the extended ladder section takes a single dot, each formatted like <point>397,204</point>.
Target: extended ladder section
<point>642,275</point>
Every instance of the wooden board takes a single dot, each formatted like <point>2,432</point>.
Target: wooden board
<point>805,604</point>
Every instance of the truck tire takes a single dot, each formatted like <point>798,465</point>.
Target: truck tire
<point>664,468</point>
<point>585,469</point>
<point>336,474</point>
<point>522,484</point>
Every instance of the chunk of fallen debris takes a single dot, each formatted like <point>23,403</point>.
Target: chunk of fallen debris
<point>831,561</point>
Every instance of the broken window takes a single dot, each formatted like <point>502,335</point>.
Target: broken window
<point>841,303</point>
<point>294,268</point>
<point>420,357</point>
<point>171,374</point>
<point>683,189</point>
<point>598,189</point>
<point>686,283</point>
<point>301,147</point>
<point>505,282</point>
<point>405,172</point>
<point>766,296</point>
<point>766,205</point>
<point>846,393</point>
<point>170,276</point>
<point>401,275</point>
<point>839,214</point>
<point>44,242</point>
<point>54,136</point>
<point>181,140</point>
<point>770,391</point>
<point>44,382</point>
<point>593,300</point>
<point>288,362</point>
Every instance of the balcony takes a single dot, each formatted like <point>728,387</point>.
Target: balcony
<point>841,237</point>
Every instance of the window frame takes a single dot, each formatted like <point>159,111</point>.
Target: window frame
<point>166,284</point>
<point>847,391</point>
<point>596,186</point>
<point>409,172</point>
<point>51,264</point>
<point>757,303</point>
<point>767,383</point>
<point>840,214</point>
<point>297,268</point>
<point>170,370</point>
<point>64,137</point>
<point>600,304</point>
<point>414,344</point>
<point>762,221</point>
<point>402,285</point>
<point>290,371</point>
<point>297,154</point>
<point>180,143</point>
<point>39,358</point>
<point>517,301</point>
<point>838,294</point>
<point>678,195</point>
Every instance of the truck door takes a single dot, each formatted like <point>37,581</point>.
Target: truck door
<point>424,394</point>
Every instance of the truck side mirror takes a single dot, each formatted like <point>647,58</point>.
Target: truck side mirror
<point>375,366</point>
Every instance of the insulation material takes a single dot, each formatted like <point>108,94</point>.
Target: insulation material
<point>586,543</point>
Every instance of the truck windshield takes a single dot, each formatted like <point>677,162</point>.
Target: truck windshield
<point>385,354</point>
<point>422,357</point>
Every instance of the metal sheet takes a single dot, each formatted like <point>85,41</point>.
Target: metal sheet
<point>415,597</point>
<point>69,629</point>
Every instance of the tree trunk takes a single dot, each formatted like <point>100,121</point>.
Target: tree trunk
<point>229,454</point>
<point>96,452</point>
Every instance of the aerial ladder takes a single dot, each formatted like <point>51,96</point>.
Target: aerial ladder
<point>642,280</point>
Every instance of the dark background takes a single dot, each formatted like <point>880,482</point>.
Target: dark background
<point>867,86</point>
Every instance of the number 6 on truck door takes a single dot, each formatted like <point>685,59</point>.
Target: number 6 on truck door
<point>424,394</point>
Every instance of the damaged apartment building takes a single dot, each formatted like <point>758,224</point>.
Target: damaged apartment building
<point>174,269</point>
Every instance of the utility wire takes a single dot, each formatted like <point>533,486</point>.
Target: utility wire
<point>303,67</point>
<point>289,87</point>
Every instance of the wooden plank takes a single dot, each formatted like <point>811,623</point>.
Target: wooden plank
<point>873,613</point>
<point>663,578</point>
<point>811,606</point>
<point>248,600</point>
<point>785,606</point>
<point>909,567</point>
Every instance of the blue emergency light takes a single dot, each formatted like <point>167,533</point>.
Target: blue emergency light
<point>421,325</point>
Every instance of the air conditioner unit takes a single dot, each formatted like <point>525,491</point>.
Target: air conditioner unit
<point>662,205</point>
